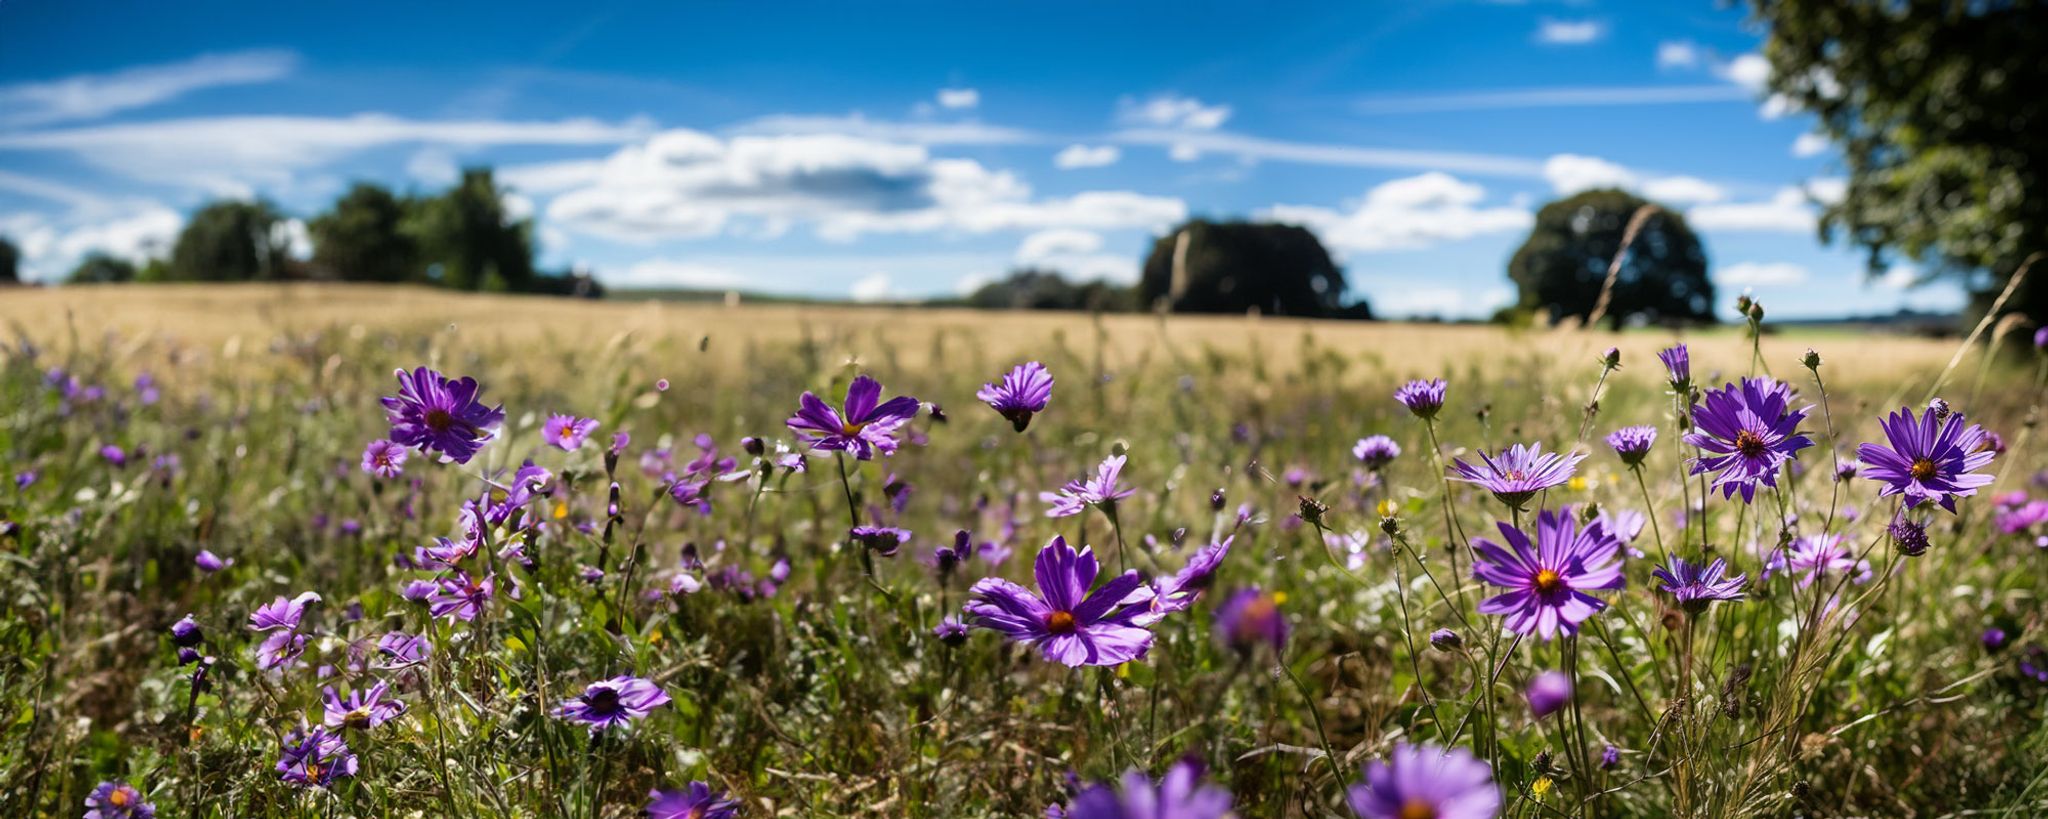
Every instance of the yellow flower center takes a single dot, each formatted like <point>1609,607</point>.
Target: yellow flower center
<point>119,798</point>
<point>1417,809</point>
<point>850,429</point>
<point>1060,622</point>
<point>1548,581</point>
<point>1749,443</point>
<point>1923,469</point>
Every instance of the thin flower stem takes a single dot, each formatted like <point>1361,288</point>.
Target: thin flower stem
<point>1316,715</point>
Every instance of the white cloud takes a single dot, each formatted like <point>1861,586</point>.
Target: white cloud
<point>959,98</point>
<point>1762,274</point>
<point>920,133</point>
<point>1564,97</point>
<point>1810,144</point>
<point>1682,190</point>
<point>1827,190</point>
<point>688,184</point>
<point>45,189</point>
<point>1406,214</point>
<point>1060,240</point>
<point>1751,71</point>
<point>1184,152</point>
<point>135,230</point>
<point>433,166</point>
<point>1253,149</point>
<point>231,155</point>
<point>1569,32</point>
<point>1084,156</point>
<point>1172,111</point>
<point>1572,173</point>
<point>1437,302</point>
<point>1679,54</point>
<point>872,287</point>
<point>673,273</point>
<point>1787,211</point>
<point>1899,277</point>
<point>971,282</point>
<point>91,96</point>
<point>1078,255</point>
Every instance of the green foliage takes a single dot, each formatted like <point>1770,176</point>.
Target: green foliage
<point>1034,289</point>
<point>1562,266</point>
<point>1937,108</point>
<point>10,261</point>
<point>100,268</point>
<point>231,241</point>
<point>468,241</point>
<point>363,237</point>
<point>1234,267</point>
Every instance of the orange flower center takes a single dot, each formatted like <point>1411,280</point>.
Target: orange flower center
<point>1923,469</point>
<point>439,420</point>
<point>1749,443</point>
<point>1060,622</point>
<point>119,798</point>
<point>1417,809</point>
<point>1548,581</point>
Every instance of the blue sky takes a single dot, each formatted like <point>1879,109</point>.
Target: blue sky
<point>881,151</point>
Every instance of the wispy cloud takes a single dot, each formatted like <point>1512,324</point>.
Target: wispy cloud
<point>1569,32</point>
<point>1762,274</point>
<point>921,133</point>
<point>1172,111</point>
<point>92,96</point>
<point>1574,97</point>
<point>959,98</point>
<point>1262,149</point>
<point>1085,156</point>
<point>1407,214</point>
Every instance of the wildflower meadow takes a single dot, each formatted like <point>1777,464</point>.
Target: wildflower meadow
<point>420,570</point>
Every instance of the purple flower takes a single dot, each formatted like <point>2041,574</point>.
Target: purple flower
<point>384,459</point>
<point>1548,692</point>
<point>362,710</point>
<point>1632,444</point>
<point>186,632</point>
<point>2041,339</point>
<point>1746,433</point>
<point>567,432</point>
<point>698,801</point>
<point>950,631</point>
<point>1101,490</point>
<point>1677,365</point>
<point>867,426</point>
<point>1928,459</point>
<point>1547,580</point>
<point>1426,781</point>
<point>462,597</point>
<point>279,621</point>
<point>1518,473</point>
<point>1376,452</point>
<point>1022,393</point>
<point>315,759</point>
<point>24,479</point>
<point>614,702</point>
<point>113,455</point>
<point>1697,586</point>
<point>402,650</point>
<point>1610,758</point>
<point>1250,618</point>
<point>432,412</point>
<point>1993,638</point>
<point>882,540</point>
<point>1908,535</point>
<point>1180,794</point>
<point>1179,592</point>
<point>1067,623</point>
<point>117,800</point>
<point>1423,398</point>
<point>1815,557</point>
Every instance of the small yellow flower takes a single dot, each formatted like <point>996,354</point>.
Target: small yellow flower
<point>1279,598</point>
<point>1541,787</point>
<point>1386,508</point>
<point>561,511</point>
<point>1577,484</point>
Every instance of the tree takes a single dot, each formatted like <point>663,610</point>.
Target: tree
<point>100,268</point>
<point>1233,267</point>
<point>471,240</point>
<point>1035,289</point>
<point>10,262</point>
<point>363,238</point>
<point>1562,266</point>
<point>1938,110</point>
<point>231,241</point>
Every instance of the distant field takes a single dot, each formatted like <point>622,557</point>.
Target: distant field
<point>212,315</point>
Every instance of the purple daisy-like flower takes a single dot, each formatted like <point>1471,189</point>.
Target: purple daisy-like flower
<point>401,650</point>
<point>1426,781</point>
<point>384,459</point>
<point>1250,618</point>
<point>279,621</point>
<point>209,562</point>
<point>1067,623</point>
<point>1908,535</point>
<point>1632,444</point>
<point>697,801</point>
<point>868,424</point>
<point>1547,692</point>
<point>1180,794</point>
<point>882,540</point>
<point>462,597</point>
<point>1548,580</point>
<point>433,412</point>
<point>1100,490</point>
<point>1928,459</point>
<point>1816,556</point>
<point>1696,586</point>
<point>186,632</point>
<point>1022,393</point>
<point>614,702</point>
<point>1519,472</point>
<point>1677,365</point>
<point>1376,451</point>
<point>361,709</point>
<point>1424,398</point>
<point>1177,593</point>
<point>315,759</point>
<point>1746,434</point>
<point>117,800</point>
<point>950,631</point>
<point>567,432</point>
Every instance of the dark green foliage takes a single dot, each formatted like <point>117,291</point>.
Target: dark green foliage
<point>362,238</point>
<point>100,268</point>
<point>10,261</point>
<point>469,242</point>
<point>1034,289</point>
<point>1562,266</point>
<point>231,241</point>
<point>1234,267</point>
<point>1938,110</point>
